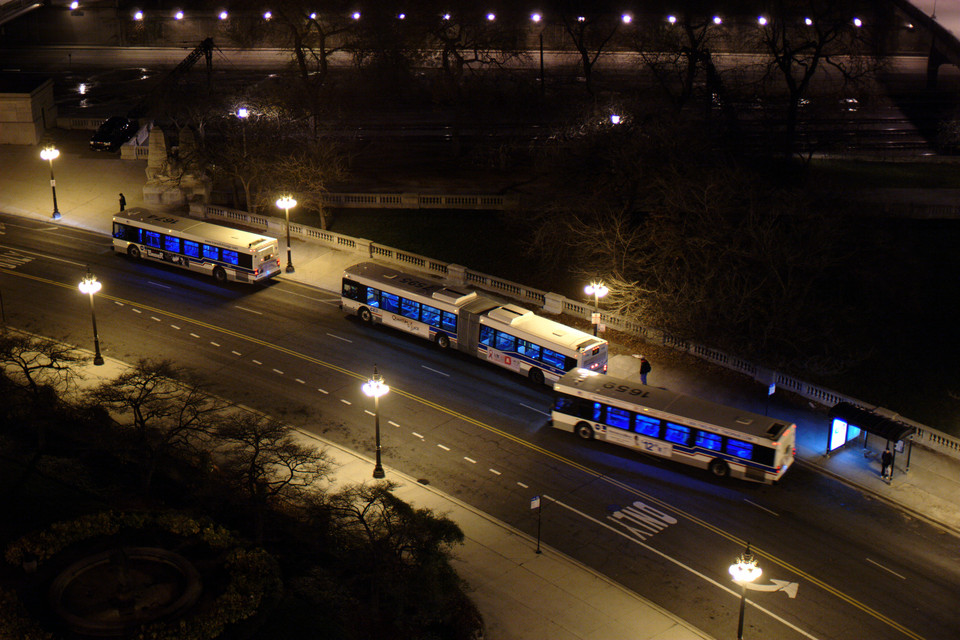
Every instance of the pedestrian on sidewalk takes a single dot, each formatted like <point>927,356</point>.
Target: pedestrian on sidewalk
<point>123,202</point>
<point>644,369</point>
<point>886,461</point>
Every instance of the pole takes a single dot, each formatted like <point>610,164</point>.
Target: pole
<point>378,469</point>
<point>541,63</point>
<point>743,602</point>
<point>596,305</point>
<point>289,259</point>
<point>539,513</point>
<point>53,188</point>
<point>97,358</point>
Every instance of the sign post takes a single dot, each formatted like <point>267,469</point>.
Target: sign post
<point>535,504</point>
<point>772,389</point>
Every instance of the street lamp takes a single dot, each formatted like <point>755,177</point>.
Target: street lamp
<point>243,113</point>
<point>91,285</point>
<point>536,18</point>
<point>286,203</point>
<point>374,388</point>
<point>597,290</point>
<point>51,153</point>
<point>744,571</point>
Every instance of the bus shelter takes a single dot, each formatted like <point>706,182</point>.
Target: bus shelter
<point>849,421</point>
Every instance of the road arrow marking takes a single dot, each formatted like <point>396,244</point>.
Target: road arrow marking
<point>790,588</point>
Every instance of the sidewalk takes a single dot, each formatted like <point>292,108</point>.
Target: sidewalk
<point>515,604</point>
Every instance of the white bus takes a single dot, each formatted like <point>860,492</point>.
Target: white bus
<point>725,440</point>
<point>222,252</point>
<point>505,334</point>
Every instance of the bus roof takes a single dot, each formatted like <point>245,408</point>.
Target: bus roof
<point>423,285</point>
<point>212,234</point>
<point>670,402</point>
<point>536,326</point>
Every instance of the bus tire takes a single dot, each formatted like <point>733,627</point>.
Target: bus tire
<point>584,430</point>
<point>133,251</point>
<point>443,340</point>
<point>365,315</point>
<point>219,275</point>
<point>536,375</point>
<point>719,468</point>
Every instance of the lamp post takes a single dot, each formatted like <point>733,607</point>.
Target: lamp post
<point>243,113</point>
<point>91,285</point>
<point>597,290</point>
<point>536,18</point>
<point>744,570</point>
<point>374,388</point>
<point>51,153</point>
<point>286,203</point>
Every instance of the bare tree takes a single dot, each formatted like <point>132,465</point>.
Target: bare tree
<point>166,409</point>
<point>812,41</point>
<point>391,543</point>
<point>265,462</point>
<point>36,362</point>
<point>591,26</point>
<point>314,38</point>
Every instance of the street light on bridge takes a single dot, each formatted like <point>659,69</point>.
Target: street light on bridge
<point>374,388</point>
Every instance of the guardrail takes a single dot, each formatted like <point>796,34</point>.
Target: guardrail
<point>926,436</point>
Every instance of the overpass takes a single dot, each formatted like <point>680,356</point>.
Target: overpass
<point>11,9</point>
<point>941,19</point>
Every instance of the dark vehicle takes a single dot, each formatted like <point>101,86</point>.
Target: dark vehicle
<point>113,133</point>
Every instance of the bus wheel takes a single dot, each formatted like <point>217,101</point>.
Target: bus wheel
<point>719,468</point>
<point>219,275</point>
<point>133,251</point>
<point>365,315</point>
<point>585,431</point>
<point>443,341</point>
<point>536,376</point>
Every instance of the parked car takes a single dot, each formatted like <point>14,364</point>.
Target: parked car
<point>113,133</point>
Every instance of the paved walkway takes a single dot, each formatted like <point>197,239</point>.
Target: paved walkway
<point>521,594</point>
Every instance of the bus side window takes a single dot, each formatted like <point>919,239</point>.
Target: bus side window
<point>211,253</point>
<point>677,433</point>
<point>596,411</point>
<point>171,244</point>
<point>390,302</point>
<point>739,448</point>
<point>570,363</point>
<point>552,358</point>
<point>708,440</point>
<point>619,418</point>
<point>430,315</point>
<point>448,321</point>
<point>122,231</point>
<point>486,336</point>
<point>231,257</point>
<point>647,426</point>
<point>506,342</point>
<point>528,349</point>
<point>153,239</point>
<point>373,297</point>
<point>410,309</point>
<point>564,404</point>
<point>191,248</point>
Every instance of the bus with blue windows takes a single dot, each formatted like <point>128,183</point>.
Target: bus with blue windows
<point>725,440</point>
<point>482,326</point>
<point>204,247</point>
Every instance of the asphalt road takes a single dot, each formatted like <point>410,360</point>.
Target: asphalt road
<point>668,532</point>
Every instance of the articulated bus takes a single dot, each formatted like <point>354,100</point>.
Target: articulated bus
<point>222,252</point>
<point>504,334</point>
<point>725,440</point>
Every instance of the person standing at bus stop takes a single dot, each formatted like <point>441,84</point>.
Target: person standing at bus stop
<point>123,202</point>
<point>886,461</point>
<point>644,369</point>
